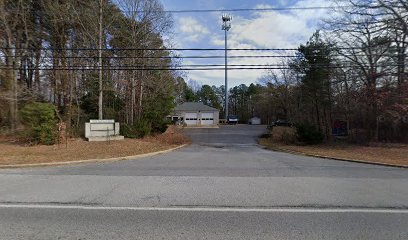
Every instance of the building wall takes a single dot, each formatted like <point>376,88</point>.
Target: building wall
<point>216,115</point>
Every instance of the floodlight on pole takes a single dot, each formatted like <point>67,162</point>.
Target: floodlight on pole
<point>226,25</point>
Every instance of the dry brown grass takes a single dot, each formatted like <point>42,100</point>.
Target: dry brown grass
<point>172,136</point>
<point>285,135</point>
<point>394,154</point>
<point>12,152</point>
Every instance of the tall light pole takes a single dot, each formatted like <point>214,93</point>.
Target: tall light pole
<point>226,25</point>
<point>100,99</point>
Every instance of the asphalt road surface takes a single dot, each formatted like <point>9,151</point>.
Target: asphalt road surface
<point>223,186</point>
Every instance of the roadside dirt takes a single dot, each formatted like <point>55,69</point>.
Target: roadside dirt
<point>12,152</point>
<point>393,154</point>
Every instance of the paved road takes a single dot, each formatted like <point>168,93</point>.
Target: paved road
<point>74,224</point>
<point>222,186</point>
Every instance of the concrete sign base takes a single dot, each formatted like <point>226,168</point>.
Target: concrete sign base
<point>102,130</point>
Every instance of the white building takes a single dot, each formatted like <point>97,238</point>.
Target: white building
<point>196,114</point>
<point>254,121</point>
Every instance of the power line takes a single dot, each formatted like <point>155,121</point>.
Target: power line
<point>173,49</point>
<point>141,69</point>
<point>206,57</point>
<point>228,10</point>
<point>341,64</point>
<point>152,49</point>
<point>190,67</point>
<point>166,57</point>
<point>249,9</point>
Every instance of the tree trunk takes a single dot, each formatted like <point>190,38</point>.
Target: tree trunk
<point>140,99</point>
<point>132,100</point>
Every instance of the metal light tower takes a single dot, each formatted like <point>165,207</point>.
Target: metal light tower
<point>226,25</point>
<point>100,99</point>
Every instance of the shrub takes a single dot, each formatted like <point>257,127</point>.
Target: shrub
<point>161,127</point>
<point>265,135</point>
<point>126,130</point>
<point>40,122</point>
<point>139,130</point>
<point>171,136</point>
<point>143,128</point>
<point>309,134</point>
<point>286,135</point>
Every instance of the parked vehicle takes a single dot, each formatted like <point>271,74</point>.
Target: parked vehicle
<point>254,121</point>
<point>232,119</point>
<point>280,122</point>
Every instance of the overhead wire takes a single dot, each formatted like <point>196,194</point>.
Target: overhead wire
<point>209,57</point>
<point>256,9</point>
<point>264,9</point>
<point>196,67</point>
<point>172,49</point>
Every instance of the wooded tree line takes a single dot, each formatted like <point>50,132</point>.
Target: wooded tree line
<point>49,52</point>
<point>353,71</point>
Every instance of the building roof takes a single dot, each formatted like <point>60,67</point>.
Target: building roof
<point>194,106</point>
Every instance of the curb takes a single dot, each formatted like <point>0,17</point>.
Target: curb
<point>337,159</point>
<point>204,127</point>
<point>91,160</point>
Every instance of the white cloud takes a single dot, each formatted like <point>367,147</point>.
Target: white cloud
<point>278,29</point>
<point>270,29</point>
<point>216,77</point>
<point>191,29</point>
<point>217,41</point>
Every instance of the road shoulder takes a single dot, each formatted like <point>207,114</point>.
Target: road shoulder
<point>311,151</point>
<point>95,160</point>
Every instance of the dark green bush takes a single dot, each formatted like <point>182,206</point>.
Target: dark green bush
<point>309,134</point>
<point>40,122</point>
<point>143,127</point>
<point>140,129</point>
<point>126,130</point>
<point>161,127</point>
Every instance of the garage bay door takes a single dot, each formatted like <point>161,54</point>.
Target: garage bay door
<point>207,118</point>
<point>191,118</point>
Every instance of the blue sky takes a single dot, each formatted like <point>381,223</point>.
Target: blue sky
<point>272,29</point>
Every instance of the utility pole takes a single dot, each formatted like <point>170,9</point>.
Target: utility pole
<point>226,26</point>
<point>100,102</point>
